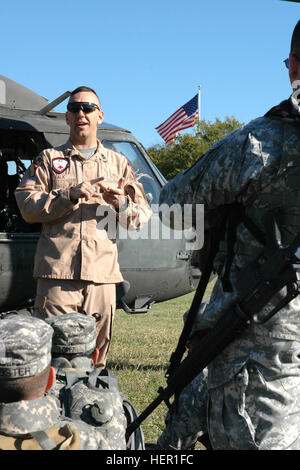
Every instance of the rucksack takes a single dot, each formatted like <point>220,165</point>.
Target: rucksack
<point>54,438</point>
<point>94,397</point>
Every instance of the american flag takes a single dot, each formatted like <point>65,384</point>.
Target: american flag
<point>183,118</point>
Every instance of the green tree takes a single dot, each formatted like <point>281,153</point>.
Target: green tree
<point>188,148</point>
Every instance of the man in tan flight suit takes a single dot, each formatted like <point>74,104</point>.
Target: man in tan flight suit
<point>76,261</point>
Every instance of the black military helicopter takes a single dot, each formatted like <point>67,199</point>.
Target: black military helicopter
<point>154,269</point>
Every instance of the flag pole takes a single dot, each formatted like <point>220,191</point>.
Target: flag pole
<point>199,103</point>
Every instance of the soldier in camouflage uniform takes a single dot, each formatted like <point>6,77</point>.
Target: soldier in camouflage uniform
<point>84,392</point>
<point>254,384</point>
<point>25,375</point>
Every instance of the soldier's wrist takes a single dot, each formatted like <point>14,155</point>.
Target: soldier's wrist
<point>71,197</point>
<point>123,204</point>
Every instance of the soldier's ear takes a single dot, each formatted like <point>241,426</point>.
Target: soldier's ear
<point>100,117</point>
<point>51,378</point>
<point>294,71</point>
<point>95,356</point>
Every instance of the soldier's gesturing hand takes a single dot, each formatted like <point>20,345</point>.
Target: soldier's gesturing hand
<point>114,194</point>
<point>85,190</point>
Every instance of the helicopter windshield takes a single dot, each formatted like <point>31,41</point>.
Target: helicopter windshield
<point>142,170</point>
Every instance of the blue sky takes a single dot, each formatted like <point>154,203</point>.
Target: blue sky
<point>146,58</point>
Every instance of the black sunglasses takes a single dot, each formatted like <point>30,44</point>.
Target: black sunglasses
<point>75,106</point>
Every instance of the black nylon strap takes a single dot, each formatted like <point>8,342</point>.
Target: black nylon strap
<point>236,216</point>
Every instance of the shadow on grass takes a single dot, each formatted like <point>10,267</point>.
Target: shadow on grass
<point>123,365</point>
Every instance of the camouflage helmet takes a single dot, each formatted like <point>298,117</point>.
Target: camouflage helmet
<point>25,346</point>
<point>73,333</point>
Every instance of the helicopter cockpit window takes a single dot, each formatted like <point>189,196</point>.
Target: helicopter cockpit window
<point>17,150</point>
<point>142,170</point>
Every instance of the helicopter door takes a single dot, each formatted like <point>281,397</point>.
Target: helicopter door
<point>153,259</point>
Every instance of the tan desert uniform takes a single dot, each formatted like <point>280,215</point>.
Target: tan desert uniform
<point>71,245</point>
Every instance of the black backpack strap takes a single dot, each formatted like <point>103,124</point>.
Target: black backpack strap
<point>233,220</point>
<point>103,378</point>
<point>253,229</point>
<point>236,216</point>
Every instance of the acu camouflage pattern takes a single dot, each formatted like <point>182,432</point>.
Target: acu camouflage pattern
<point>73,333</point>
<point>94,405</point>
<point>25,351</point>
<point>257,407</point>
<point>254,385</point>
<point>25,346</point>
<point>24,417</point>
<point>186,420</point>
<point>98,403</point>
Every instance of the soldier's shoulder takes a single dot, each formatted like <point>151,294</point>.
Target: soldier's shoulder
<point>63,148</point>
<point>262,129</point>
<point>257,126</point>
<point>114,156</point>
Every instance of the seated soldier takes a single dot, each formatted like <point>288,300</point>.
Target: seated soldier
<point>84,391</point>
<point>28,419</point>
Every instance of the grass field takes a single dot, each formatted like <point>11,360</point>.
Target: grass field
<point>139,354</point>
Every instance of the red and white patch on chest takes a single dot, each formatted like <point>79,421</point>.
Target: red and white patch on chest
<point>60,164</point>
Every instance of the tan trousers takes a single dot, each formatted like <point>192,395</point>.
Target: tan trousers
<point>59,296</point>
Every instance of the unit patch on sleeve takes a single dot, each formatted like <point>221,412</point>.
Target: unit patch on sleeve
<point>28,183</point>
<point>59,164</point>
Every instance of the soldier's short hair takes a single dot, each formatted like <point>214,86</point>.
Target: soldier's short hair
<point>84,88</point>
